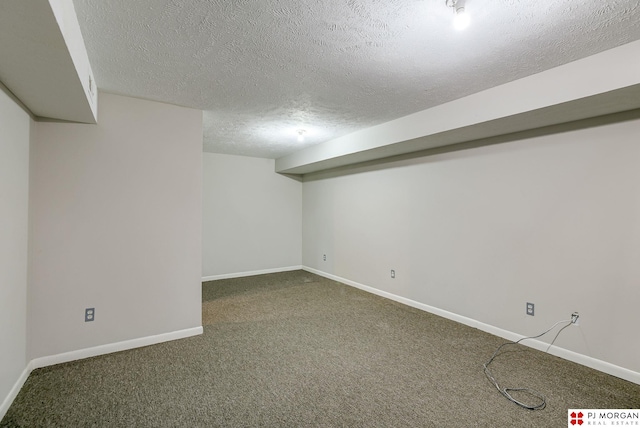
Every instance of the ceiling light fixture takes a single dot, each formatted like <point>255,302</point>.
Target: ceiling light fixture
<point>460,16</point>
<point>301,133</point>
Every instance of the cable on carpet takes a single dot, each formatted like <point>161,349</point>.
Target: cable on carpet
<point>541,400</point>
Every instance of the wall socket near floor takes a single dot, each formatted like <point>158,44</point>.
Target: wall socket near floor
<point>530,309</point>
<point>393,273</point>
<point>324,257</point>
<point>89,314</point>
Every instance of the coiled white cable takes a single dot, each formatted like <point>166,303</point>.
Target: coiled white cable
<point>542,402</point>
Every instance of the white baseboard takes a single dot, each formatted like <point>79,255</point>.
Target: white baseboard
<point>113,347</point>
<point>250,273</point>
<point>584,360</point>
<point>66,357</point>
<point>15,390</point>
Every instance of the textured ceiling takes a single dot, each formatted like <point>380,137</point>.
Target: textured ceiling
<point>262,69</point>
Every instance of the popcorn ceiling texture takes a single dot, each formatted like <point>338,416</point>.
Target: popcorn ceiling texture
<point>260,70</point>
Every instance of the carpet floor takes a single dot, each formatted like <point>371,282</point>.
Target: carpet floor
<point>294,349</point>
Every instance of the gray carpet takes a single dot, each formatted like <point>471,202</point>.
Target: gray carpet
<point>297,350</point>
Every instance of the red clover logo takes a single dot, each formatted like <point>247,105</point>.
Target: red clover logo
<point>576,418</point>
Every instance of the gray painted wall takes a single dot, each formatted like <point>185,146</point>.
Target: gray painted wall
<point>116,225</point>
<point>252,216</point>
<point>14,201</point>
<point>553,220</point>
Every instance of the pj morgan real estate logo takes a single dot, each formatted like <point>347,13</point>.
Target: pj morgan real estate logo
<point>603,418</point>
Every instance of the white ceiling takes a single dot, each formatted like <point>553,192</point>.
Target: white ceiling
<point>263,69</point>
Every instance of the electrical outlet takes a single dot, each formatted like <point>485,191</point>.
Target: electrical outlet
<point>89,314</point>
<point>393,273</point>
<point>324,257</point>
<point>530,309</point>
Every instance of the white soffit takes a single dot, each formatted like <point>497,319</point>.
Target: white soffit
<point>43,61</point>
<point>605,83</point>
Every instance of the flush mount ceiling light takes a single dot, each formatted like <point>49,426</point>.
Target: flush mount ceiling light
<point>460,16</point>
<point>301,133</point>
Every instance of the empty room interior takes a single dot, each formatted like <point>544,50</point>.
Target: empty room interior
<point>281,213</point>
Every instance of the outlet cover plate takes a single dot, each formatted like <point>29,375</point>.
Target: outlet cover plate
<point>530,309</point>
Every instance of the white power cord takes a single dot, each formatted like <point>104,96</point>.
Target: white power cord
<point>542,402</point>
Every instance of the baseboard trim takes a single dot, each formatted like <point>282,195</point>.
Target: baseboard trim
<point>66,357</point>
<point>113,347</point>
<point>13,393</point>
<point>575,357</point>
<point>250,273</point>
